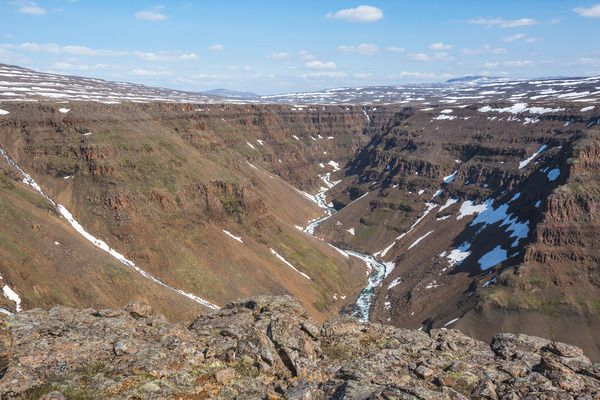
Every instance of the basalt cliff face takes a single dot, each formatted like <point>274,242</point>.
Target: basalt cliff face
<point>267,348</point>
<point>485,219</point>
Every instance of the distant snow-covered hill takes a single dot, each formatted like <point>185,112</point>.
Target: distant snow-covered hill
<point>18,83</point>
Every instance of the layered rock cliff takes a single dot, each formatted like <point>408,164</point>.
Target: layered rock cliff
<point>480,212</point>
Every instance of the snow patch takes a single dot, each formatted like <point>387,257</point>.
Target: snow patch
<point>519,230</point>
<point>451,322</point>
<point>450,178</point>
<point>231,235</point>
<point>493,257</point>
<point>335,165</point>
<point>553,174</point>
<point>394,283</point>
<point>525,162</point>
<point>12,296</point>
<point>286,262</point>
<point>448,203</point>
<point>416,242</point>
<point>445,117</point>
<point>519,108</point>
<point>467,208</point>
<point>458,255</point>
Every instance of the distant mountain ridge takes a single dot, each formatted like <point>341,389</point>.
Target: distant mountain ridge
<point>233,94</point>
<point>18,83</point>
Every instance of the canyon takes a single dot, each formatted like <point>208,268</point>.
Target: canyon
<point>469,206</point>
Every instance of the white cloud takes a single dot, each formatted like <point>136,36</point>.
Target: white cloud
<point>517,63</point>
<point>508,64</point>
<point>153,14</point>
<point>419,75</point>
<point>419,57</point>
<point>486,49</point>
<point>588,61</point>
<point>359,14</point>
<point>439,56</point>
<point>504,23</point>
<point>394,49</point>
<point>216,47</point>
<point>593,11</point>
<point>324,74</point>
<point>31,8</point>
<point>279,56</point>
<point>239,68</point>
<point>440,46</point>
<point>305,55</point>
<point>76,50</point>
<point>519,37</point>
<point>165,56</point>
<point>491,65</point>
<point>150,72</point>
<point>316,64</point>
<point>364,48</point>
<point>68,66</point>
<point>514,38</point>
<point>84,51</point>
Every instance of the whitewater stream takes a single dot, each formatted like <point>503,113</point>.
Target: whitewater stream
<point>377,270</point>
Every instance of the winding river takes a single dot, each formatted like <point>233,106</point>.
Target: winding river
<point>377,270</point>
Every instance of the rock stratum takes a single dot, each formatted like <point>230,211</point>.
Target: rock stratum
<point>268,348</point>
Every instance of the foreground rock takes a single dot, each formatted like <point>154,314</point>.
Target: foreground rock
<point>267,348</point>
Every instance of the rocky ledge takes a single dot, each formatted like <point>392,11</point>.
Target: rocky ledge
<point>268,348</point>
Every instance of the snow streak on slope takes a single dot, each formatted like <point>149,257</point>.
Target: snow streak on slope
<point>525,162</point>
<point>286,262</point>
<point>231,235</point>
<point>429,207</point>
<point>10,294</point>
<point>28,180</point>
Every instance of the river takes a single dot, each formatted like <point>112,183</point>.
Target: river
<point>377,270</point>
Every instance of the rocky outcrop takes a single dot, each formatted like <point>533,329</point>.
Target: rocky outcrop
<point>267,348</point>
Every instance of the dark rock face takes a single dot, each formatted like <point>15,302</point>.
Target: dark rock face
<point>267,347</point>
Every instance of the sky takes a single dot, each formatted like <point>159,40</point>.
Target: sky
<point>277,46</point>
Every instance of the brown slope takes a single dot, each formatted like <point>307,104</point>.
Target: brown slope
<point>47,264</point>
<point>160,182</point>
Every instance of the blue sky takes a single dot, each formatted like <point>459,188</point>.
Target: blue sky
<point>283,46</point>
